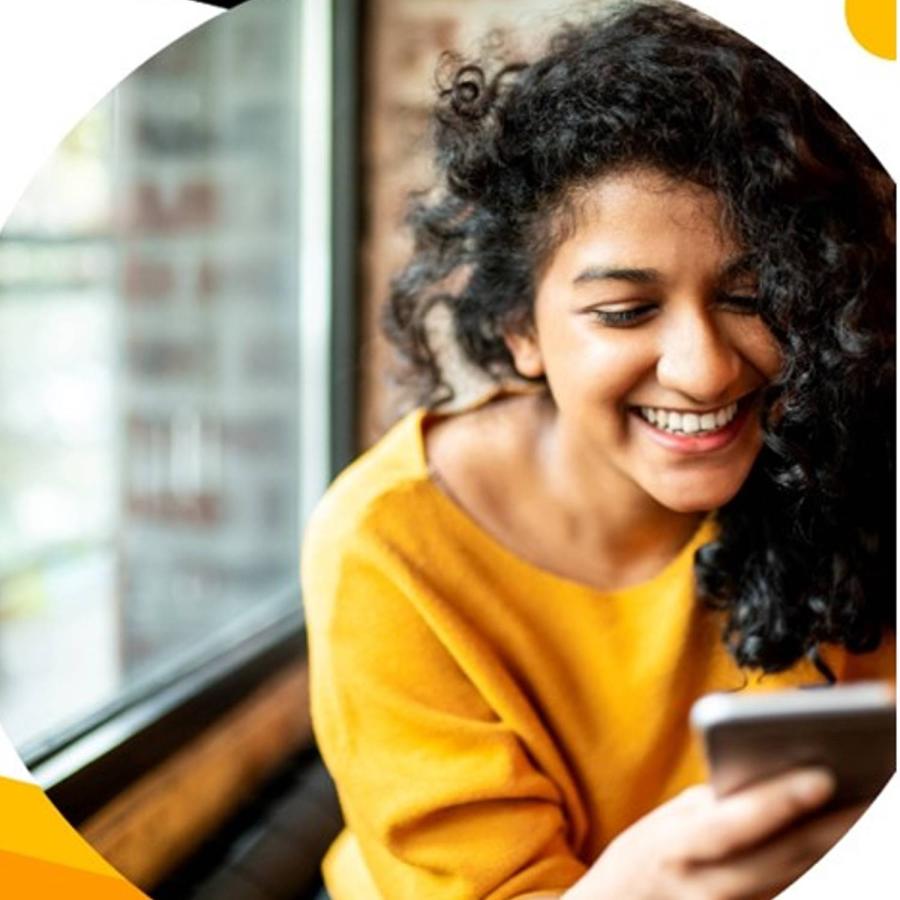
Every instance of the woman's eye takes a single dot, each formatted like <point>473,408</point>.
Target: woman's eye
<point>746,304</point>
<point>622,318</point>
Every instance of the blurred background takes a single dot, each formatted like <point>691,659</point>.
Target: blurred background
<point>149,364</point>
<point>189,352</point>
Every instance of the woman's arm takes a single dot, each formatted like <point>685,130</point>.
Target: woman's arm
<point>441,795</point>
<point>738,847</point>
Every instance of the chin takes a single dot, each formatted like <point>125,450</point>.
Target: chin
<point>692,501</point>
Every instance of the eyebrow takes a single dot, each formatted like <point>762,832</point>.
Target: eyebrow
<point>740,265</point>
<point>636,276</point>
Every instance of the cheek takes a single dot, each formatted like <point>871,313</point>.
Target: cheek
<point>758,345</point>
<point>597,368</point>
<point>771,362</point>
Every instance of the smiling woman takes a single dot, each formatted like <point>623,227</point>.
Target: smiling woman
<point>676,262</point>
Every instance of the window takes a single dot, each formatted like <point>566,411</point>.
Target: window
<point>164,359</point>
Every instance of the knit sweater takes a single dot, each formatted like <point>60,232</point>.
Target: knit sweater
<point>491,726</point>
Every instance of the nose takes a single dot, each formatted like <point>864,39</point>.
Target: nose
<point>696,359</point>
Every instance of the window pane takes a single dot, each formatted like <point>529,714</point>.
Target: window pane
<point>149,368</point>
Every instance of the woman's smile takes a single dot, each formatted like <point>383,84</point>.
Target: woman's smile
<point>695,431</point>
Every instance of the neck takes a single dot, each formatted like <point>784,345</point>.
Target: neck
<point>602,505</point>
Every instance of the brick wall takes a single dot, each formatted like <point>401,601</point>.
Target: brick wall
<point>403,41</point>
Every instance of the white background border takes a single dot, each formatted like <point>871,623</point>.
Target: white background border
<point>59,57</point>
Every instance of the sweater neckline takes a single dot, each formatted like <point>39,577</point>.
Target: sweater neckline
<point>508,558</point>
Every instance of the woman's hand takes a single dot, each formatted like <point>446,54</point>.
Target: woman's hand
<point>696,847</point>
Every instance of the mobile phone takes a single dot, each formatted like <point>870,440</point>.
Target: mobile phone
<point>849,729</point>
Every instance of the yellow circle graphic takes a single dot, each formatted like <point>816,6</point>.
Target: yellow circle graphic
<point>874,25</point>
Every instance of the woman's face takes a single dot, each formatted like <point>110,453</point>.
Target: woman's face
<point>645,328</point>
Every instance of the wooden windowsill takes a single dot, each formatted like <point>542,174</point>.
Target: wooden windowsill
<point>158,821</point>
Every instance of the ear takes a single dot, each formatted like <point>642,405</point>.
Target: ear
<point>526,353</point>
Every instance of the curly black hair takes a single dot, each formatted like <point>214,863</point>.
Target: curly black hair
<point>805,549</point>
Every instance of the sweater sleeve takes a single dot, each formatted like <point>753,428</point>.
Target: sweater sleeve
<point>440,796</point>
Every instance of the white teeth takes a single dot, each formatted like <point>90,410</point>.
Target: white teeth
<point>689,423</point>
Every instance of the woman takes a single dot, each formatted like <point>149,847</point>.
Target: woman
<point>685,258</point>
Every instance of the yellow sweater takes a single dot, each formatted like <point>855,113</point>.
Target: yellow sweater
<point>491,726</point>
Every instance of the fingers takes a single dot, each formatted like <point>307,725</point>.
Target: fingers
<point>768,869</point>
<point>740,821</point>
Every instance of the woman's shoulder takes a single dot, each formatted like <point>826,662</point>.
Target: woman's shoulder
<point>391,504</point>
<point>875,665</point>
<point>386,476</point>
<point>467,451</point>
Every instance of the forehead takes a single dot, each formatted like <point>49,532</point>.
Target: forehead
<point>643,217</point>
